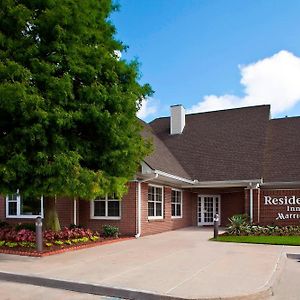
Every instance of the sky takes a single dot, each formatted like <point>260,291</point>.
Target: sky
<point>210,55</point>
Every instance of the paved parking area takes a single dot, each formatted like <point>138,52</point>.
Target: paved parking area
<point>181,263</point>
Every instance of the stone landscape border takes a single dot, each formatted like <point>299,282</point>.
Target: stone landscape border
<point>58,251</point>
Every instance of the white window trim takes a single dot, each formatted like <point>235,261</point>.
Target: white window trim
<point>18,215</point>
<point>181,202</point>
<point>162,203</point>
<point>92,206</point>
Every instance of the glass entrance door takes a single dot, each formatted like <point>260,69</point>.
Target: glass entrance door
<point>208,206</point>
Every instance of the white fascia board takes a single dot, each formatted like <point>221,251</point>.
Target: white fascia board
<point>226,183</point>
<point>281,184</point>
<point>174,177</point>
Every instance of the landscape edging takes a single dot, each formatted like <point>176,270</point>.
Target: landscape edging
<point>63,250</point>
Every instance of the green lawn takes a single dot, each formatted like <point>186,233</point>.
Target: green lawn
<point>273,240</point>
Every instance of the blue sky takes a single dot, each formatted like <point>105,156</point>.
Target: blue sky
<point>197,52</point>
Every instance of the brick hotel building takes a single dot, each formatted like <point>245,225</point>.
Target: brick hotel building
<point>228,162</point>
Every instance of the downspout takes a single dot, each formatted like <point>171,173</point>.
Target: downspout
<point>251,202</point>
<point>258,204</point>
<point>139,204</point>
<point>75,211</point>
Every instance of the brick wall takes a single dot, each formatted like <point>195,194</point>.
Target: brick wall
<point>189,209</point>
<point>64,208</point>
<point>127,223</point>
<point>231,204</point>
<point>269,213</point>
<point>2,208</point>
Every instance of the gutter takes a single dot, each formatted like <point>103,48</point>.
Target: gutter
<point>164,174</point>
<point>287,184</point>
<point>139,204</point>
<point>225,183</point>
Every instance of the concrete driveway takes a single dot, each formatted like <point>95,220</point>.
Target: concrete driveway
<point>176,264</point>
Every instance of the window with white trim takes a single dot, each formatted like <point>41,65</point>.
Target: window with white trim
<point>176,203</point>
<point>155,202</point>
<point>19,206</point>
<point>108,207</point>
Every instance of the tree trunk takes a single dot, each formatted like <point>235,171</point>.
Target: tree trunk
<point>51,216</point>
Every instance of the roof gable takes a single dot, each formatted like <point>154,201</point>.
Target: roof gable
<point>282,152</point>
<point>161,158</point>
<point>220,145</point>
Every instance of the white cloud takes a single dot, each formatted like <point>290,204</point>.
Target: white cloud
<point>274,80</point>
<point>149,107</point>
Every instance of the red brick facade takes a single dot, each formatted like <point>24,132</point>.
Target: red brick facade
<point>64,208</point>
<point>127,223</point>
<point>232,202</point>
<point>189,209</point>
<point>269,213</point>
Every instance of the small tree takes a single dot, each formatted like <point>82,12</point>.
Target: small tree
<point>68,104</point>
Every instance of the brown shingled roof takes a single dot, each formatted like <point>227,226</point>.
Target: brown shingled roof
<point>282,153</point>
<point>161,158</point>
<point>220,145</point>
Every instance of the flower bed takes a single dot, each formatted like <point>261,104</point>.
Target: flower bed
<point>22,241</point>
<point>240,226</point>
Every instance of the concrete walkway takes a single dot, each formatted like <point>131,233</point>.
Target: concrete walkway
<point>177,264</point>
<point>287,286</point>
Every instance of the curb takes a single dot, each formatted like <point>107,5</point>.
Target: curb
<point>278,269</point>
<point>110,291</point>
<point>293,255</point>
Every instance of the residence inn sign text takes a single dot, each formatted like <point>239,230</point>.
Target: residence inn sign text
<point>290,203</point>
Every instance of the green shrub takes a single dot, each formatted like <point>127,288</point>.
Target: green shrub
<point>27,244</point>
<point>2,243</point>
<point>238,225</point>
<point>28,226</point>
<point>68,242</point>
<point>49,244</point>
<point>59,243</point>
<point>83,239</point>
<point>11,244</point>
<point>72,226</point>
<point>3,224</point>
<point>94,238</point>
<point>110,231</point>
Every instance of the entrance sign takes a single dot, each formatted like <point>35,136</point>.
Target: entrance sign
<point>291,205</point>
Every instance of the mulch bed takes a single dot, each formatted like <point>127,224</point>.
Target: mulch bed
<point>55,249</point>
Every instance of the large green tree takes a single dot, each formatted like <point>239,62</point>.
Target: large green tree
<point>68,104</point>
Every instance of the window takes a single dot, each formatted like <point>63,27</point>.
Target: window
<point>176,203</point>
<point>18,206</point>
<point>155,202</point>
<point>108,207</point>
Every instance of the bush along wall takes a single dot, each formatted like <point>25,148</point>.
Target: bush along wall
<point>239,225</point>
<point>25,238</point>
